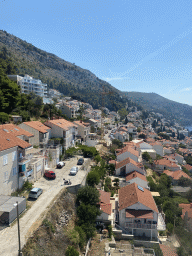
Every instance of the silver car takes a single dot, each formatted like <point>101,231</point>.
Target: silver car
<point>35,193</point>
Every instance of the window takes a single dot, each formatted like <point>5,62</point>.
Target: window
<point>6,177</point>
<point>14,156</point>
<point>5,159</point>
<point>14,171</point>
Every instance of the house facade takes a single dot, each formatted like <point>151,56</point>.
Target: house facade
<point>40,131</point>
<point>138,213</point>
<point>61,128</point>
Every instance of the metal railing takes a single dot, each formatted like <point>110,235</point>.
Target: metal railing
<point>141,226</point>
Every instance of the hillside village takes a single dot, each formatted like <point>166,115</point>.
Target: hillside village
<point>145,191</point>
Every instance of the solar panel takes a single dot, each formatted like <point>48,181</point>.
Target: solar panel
<point>5,130</point>
<point>16,129</point>
<point>140,188</point>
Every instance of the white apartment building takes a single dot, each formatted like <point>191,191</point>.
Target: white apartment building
<point>29,84</point>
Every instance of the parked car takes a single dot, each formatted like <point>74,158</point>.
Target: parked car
<point>50,174</point>
<point>35,193</point>
<point>74,170</point>
<point>60,165</point>
<point>80,161</point>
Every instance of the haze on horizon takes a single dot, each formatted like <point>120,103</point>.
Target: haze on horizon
<point>142,46</point>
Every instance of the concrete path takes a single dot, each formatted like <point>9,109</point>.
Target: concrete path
<point>33,217</point>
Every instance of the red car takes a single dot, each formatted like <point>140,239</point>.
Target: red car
<point>50,175</point>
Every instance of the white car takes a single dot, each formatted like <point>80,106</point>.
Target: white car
<point>74,170</point>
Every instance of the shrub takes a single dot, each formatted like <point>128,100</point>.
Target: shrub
<point>27,186</point>
<point>49,225</point>
<point>170,227</point>
<point>71,251</point>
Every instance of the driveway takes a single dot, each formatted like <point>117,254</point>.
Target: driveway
<point>33,217</point>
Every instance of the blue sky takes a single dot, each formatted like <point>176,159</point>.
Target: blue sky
<point>143,45</point>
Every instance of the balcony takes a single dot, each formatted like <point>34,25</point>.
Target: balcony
<point>25,159</point>
<point>141,226</point>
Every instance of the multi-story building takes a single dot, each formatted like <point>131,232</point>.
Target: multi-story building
<point>83,129</point>
<point>29,84</point>
<point>61,128</point>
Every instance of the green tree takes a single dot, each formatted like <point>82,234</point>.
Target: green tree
<point>146,156</point>
<point>87,214</point>
<point>123,113</point>
<point>93,178</point>
<point>71,251</point>
<point>88,195</point>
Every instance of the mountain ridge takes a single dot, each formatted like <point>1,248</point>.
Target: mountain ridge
<point>73,80</point>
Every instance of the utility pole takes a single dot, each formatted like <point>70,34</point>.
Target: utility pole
<point>19,252</point>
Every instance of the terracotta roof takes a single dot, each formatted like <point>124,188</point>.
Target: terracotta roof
<point>38,126</point>
<point>167,250</point>
<point>188,167</point>
<point>124,162</point>
<point>7,140</point>
<point>62,123</point>
<point>106,208</point>
<point>141,214</point>
<point>166,162</point>
<point>176,175</point>
<point>83,124</point>
<point>134,175</point>
<point>131,194</point>
<point>15,130</point>
<point>128,149</point>
<point>186,208</point>
<point>104,197</point>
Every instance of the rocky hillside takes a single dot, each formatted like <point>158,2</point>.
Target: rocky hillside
<point>58,73</point>
<point>182,113</point>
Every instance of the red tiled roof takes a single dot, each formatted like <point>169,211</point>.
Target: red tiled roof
<point>176,175</point>
<point>131,194</point>
<point>142,214</point>
<point>186,208</point>
<point>166,162</point>
<point>134,175</point>
<point>38,126</point>
<point>188,167</point>
<point>83,124</point>
<point>15,130</point>
<point>62,123</point>
<point>106,208</point>
<point>104,197</point>
<point>128,149</point>
<point>124,162</point>
<point>8,140</point>
<point>167,250</point>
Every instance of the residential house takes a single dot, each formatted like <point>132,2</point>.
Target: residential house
<point>40,131</point>
<point>138,213</point>
<point>68,110</point>
<point>188,167</point>
<point>107,216</point>
<point>126,152</point>
<point>13,161</point>
<point>83,129</point>
<point>121,135</point>
<point>165,163</point>
<point>61,128</point>
<point>157,146</point>
<point>176,175</point>
<point>138,178</point>
<point>128,165</point>
<point>91,140</point>
<point>17,132</point>
<point>187,215</point>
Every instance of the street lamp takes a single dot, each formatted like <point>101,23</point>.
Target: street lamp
<point>19,252</point>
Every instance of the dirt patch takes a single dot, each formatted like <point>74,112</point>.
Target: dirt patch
<point>50,238</point>
<point>97,247</point>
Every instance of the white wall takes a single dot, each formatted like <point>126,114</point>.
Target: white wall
<point>138,181</point>
<point>32,140</point>
<point>9,179</point>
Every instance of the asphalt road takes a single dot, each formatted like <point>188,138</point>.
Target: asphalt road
<point>33,217</point>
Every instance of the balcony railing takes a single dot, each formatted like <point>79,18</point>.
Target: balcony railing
<point>142,226</point>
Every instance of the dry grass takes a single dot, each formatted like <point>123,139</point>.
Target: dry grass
<point>48,239</point>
